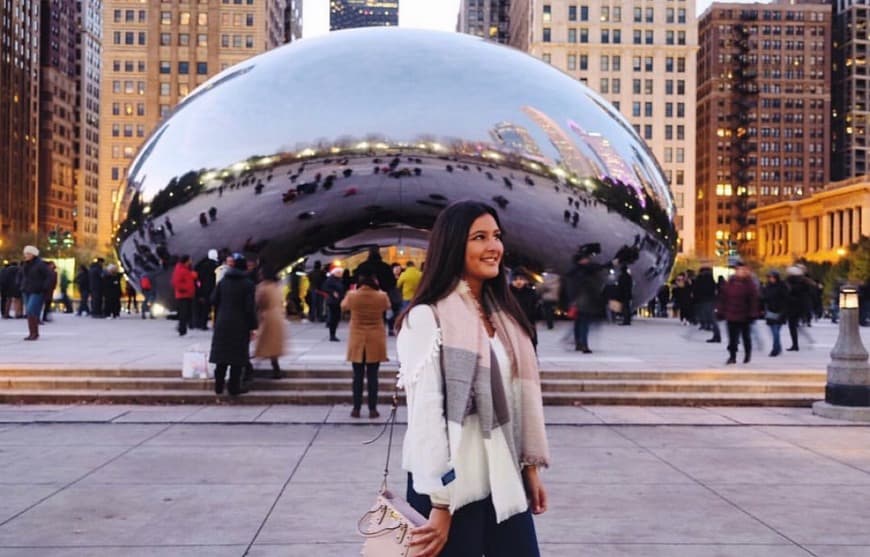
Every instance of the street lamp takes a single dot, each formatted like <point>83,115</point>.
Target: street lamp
<point>847,392</point>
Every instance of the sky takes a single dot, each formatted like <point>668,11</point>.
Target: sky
<point>425,14</point>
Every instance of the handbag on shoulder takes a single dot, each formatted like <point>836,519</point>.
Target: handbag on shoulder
<point>387,526</point>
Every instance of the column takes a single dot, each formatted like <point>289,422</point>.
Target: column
<point>838,229</point>
<point>848,217</point>
<point>856,222</point>
<point>825,243</point>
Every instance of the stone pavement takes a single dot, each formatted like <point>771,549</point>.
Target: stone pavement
<point>648,345</point>
<point>80,481</point>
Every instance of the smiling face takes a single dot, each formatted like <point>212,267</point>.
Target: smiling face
<point>483,249</point>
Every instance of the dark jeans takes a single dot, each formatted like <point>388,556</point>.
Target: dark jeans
<point>235,384</point>
<point>474,532</point>
<point>83,304</point>
<point>185,305</point>
<point>150,296</point>
<point>333,318</point>
<point>371,376</point>
<point>793,324</point>
<point>581,330</point>
<point>315,309</point>
<point>96,304</point>
<point>626,312</point>
<point>736,331</point>
<point>5,300</point>
<point>549,313</point>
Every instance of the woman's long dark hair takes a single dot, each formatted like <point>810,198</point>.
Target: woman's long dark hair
<point>445,262</point>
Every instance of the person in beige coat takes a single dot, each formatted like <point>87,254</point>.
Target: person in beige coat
<point>270,314</point>
<point>367,343</point>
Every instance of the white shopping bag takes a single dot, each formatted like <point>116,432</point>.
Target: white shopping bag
<point>194,364</point>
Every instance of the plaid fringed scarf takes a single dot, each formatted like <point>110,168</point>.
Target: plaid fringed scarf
<point>473,382</point>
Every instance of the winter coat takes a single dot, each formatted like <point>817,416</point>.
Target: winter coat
<point>37,277</point>
<point>799,301</point>
<point>95,279</point>
<point>774,299</point>
<point>51,285</point>
<point>368,336</point>
<point>206,278</point>
<point>270,312</point>
<point>704,288</point>
<point>112,288</point>
<point>9,281</point>
<point>528,300</point>
<point>408,283</point>
<point>585,289</point>
<point>738,300</point>
<point>625,284</point>
<point>183,281</point>
<point>383,272</point>
<point>235,318</point>
<point>334,289</point>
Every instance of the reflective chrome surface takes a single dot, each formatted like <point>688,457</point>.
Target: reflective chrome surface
<point>363,136</point>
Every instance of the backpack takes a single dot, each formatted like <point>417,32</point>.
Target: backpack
<point>145,283</point>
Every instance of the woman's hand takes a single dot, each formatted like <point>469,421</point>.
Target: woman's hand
<point>535,490</point>
<point>432,535</point>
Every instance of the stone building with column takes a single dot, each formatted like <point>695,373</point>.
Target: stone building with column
<point>819,228</point>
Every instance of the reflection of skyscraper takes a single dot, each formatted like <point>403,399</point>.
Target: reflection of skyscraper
<point>293,21</point>
<point>571,157</point>
<point>349,14</point>
<point>485,18</point>
<point>614,165</point>
<point>516,138</point>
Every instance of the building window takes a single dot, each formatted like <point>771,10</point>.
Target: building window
<point>164,89</point>
<point>584,62</point>
<point>184,18</point>
<point>635,109</point>
<point>128,87</point>
<point>648,64</point>
<point>637,36</point>
<point>605,63</point>
<point>572,13</point>
<point>116,173</point>
<point>681,37</point>
<point>615,86</point>
<point>128,66</point>
<point>572,35</point>
<point>584,36</point>
<point>183,39</point>
<point>669,64</point>
<point>130,16</point>
<point>681,132</point>
<point>681,87</point>
<point>225,41</point>
<point>681,15</point>
<point>616,62</point>
<point>118,15</point>
<point>604,86</point>
<point>584,13</point>
<point>681,154</point>
<point>116,130</point>
<point>648,109</point>
<point>165,67</point>
<point>128,130</point>
<point>130,37</point>
<point>636,63</point>
<point>617,36</point>
<point>545,57</point>
<point>142,38</point>
<point>572,62</point>
<point>249,41</point>
<point>201,68</point>
<point>681,110</point>
<point>669,15</point>
<point>648,35</point>
<point>669,110</point>
<point>116,109</point>
<point>202,19</point>
<point>669,87</point>
<point>605,36</point>
<point>184,68</point>
<point>141,85</point>
<point>183,89</point>
<point>650,15</point>
<point>165,18</point>
<point>669,131</point>
<point>140,130</point>
<point>164,109</point>
<point>669,37</point>
<point>681,65</point>
<point>237,41</point>
<point>669,154</point>
<point>635,87</point>
<point>546,37</point>
<point>548,13</point>
<point>140,109</point>
<point>143,16</point>
<point>648,86</point>
<point>249,20</point>
<point>165,39</point>
<point>202,39</point>
<point>647,131</point>
<point>638,14</point>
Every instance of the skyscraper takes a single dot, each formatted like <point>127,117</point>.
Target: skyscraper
<point>292,20</point>
<point>154,55</point>
<point>489,19</point>
<point>349,14</point>
<point>641,60</point>
<point>19,116</point>
<point>57,115</point>
<point>850,89</point>
<point>763,115</point>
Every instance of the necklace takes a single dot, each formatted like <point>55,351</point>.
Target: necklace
<point>485,317</point>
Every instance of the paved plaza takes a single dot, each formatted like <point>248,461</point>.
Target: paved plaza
<point>71,342</point>
<point>292,481</point>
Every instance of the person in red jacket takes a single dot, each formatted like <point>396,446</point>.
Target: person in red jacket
<point>184,283</point>
<point>738,305</point>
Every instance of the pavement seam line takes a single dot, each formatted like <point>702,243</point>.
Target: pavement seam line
<point>86,475</point>
<point>817,453</point>
<point>716,493</point>
<point>284,487</point>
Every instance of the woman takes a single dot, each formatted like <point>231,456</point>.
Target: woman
<point>333,288</point>
<point>112,292</point>
<point>235,319</point>
<point>473,458</point>
<point>774,298</point>
<point>270,313</point>
<point>367,341</point>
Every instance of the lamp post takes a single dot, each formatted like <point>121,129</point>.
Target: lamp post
<point>847,392</point>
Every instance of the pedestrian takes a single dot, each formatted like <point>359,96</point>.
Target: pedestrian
<point>408,282</point>
<point>664,297</point>
<point>203,219</point>
<point>112,292</point>
<point>367,339</point>
<point>798,303</point>
<point>35,281</point>
<point>64,292</point>
<point>704,295</point>
<point>130,295</point>
<point>549,291</point>
<point>50,287</point>
<point>682,295</point>
<point>473,456</point>
<point>587,301</point>
<point>270,316</point>
<point>8,287</point>
<point>738,306</point>
<point>234,325</point>
<point>206,279</point>
<point>148,294</point>
<point>184,284</point>
<point>168,224</point>
<point>375,266</point>
<point>333,289</point>
<point>315,294</point>
<point>527,298</point>
<point>774,299</point>
<point>228,262</point>
<point>95,282</point>
<point>395,296</point>
<point>625,285</point>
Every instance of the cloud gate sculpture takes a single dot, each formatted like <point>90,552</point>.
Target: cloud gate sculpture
<point>361,137</point>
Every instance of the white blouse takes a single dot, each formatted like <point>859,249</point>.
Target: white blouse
<point>425,451</point>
